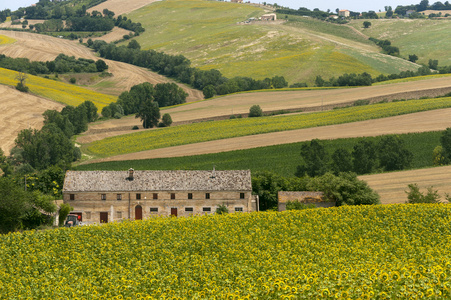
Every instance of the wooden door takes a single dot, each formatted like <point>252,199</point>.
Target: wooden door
<point>104,217</point>
<point>174,211</point>
<point>138,212</point>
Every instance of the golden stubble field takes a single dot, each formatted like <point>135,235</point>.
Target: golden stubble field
<point>38,47</point>
<point>120,7</point>
<point>20,111</point>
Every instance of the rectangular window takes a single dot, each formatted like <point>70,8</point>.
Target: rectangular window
<point>154,209</point>
<point>207,195</point>
<point>72,196</point>
<point>172,195</point>
<point>138,196</point>
<point>119,214</point>
<point>190,195</point>
<point>238,209</point>
<point>241,195</point>
<point>206,208</point>
<point>155,196</point>
<point>103,196</point>
<point>188,209</point>
<point>119,197</point>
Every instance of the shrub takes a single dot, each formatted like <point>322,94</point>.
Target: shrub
<point>255,111</point>
<point>415,196</point>
<point>73,80</point>
<point>22,87</point>
<point>135,127</point>
<point>166,120</point>
<point>222,209</point>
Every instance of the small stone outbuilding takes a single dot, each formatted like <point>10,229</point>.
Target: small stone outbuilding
<point>316,198</point>
<point>105,196</point>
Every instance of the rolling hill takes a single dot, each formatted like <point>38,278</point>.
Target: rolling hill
<point>214,35</point>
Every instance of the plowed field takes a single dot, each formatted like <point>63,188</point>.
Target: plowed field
<point>20,111</point>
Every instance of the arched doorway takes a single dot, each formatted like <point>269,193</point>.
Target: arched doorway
<point>138,212</point>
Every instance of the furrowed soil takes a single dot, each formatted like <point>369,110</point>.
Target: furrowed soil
<point>20,111</point>
<point>392,186</point>
<point>37,47</point>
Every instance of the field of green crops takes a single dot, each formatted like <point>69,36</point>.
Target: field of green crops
<point>360,252</point>
<point>58,91</point>
<point>280,159</point>
<point>207,131</point>
<point>210,34</point>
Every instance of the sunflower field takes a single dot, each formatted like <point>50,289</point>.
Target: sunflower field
<point>350,252</point>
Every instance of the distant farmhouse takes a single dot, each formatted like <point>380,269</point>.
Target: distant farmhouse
<point>316,198</point>
<point>344,13</point>
<point>105,196</point>
<point>269,17</point>
<point>409,12</point>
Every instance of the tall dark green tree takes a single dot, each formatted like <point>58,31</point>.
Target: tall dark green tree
<point>149,113</point>
<point>445,141</point>
<point>364,157</point>
<point>315,159</point>
<point>341,161</point>
<point>393,154</point>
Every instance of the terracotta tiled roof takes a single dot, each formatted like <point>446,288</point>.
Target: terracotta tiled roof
<point>111,181</point>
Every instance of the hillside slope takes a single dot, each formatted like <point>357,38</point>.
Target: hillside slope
<point>213,35</point>
<point>42,48</point>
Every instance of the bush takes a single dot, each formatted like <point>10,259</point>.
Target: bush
<point>73,80</point>
<point>65,209</point>
<point>135,127</point>
<point>255,111</point>
<point>166,120</point>
<point>222,209</point>
<point>22,87</point>
<point>415,196</point>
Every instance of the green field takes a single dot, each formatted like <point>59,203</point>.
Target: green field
<point>428,39</point>
<point>349,252</point>
<point>208,33</point>
<point>208,131</point>
<point>280,159</point>
<point>57,91</point>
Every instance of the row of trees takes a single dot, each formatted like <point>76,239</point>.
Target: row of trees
<point>46,9</point>
<point>386,46</point>
<point>61,64</point>
<point>422,6</point>
<point>211,82</point>
<point>388,154</point>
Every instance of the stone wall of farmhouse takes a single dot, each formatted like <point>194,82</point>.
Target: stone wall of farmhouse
<point>92,204</point>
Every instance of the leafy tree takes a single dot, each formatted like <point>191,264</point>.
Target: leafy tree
<point>62,121</point>
<point>392,153</point>
<point>439,158</point>
<point>315,159</point>
<point>344,189</point>
<point>415,196</point>
<point>389,11</point>
<point>209,91</point>
<point>433,64</point>
<point>167,94</point>
<point>445,141</point>
<point>166,120</point>
<point>255,111</point>
<point>341,161</point>
<point>134,45</point>
<point>91,110</point>
<point>364,157</point>
<point>21,77</point>
<point>100,64</point>
<point>319,81</point>
<point>14,205</point>
<point>279,82</point>
<point>149,112</point>
<point>222,209</point>
<point>413,58</point>
<point>366,24</point>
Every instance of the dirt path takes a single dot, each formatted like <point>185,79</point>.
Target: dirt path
<point>20,111</point>
<point>417,122</point>
<point>392,186</point>
<point>39,47</point>
<point>122,7</point>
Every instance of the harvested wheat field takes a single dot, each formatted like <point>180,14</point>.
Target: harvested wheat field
<point>20,111</point>
<point>37,47</point>
<point>418,122</point>
<point>392,186</point>
<point>120,7</point>
<point>114,35</point>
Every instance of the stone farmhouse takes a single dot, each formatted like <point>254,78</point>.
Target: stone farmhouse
<point>344,13</point>
<point>269,17</point>
<point>106,196</point>
<point>316,198</point>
